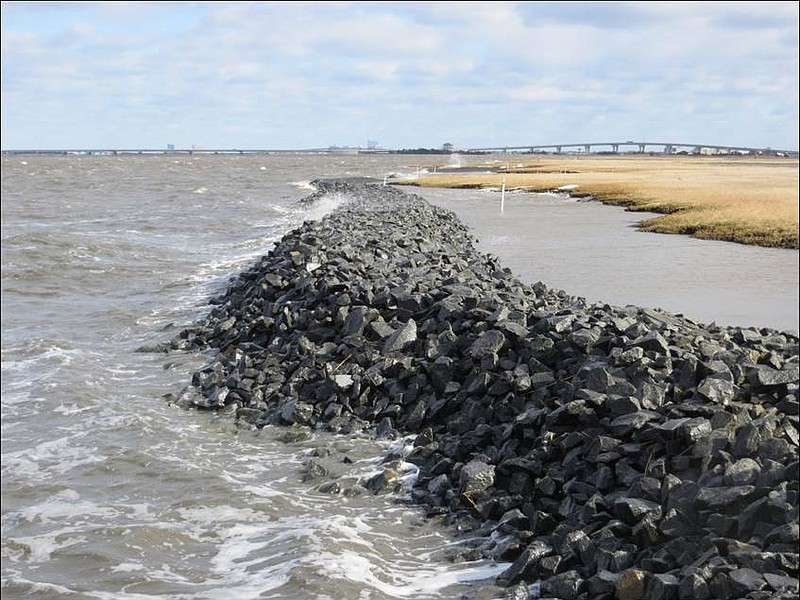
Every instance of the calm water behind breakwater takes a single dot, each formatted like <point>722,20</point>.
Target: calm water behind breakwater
<point>592,250</point>
<point>109,492</point>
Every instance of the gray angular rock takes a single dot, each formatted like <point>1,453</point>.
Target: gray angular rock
<point>744,471</point>
<point>567,585</point>
<point>662,586</point>
<point>766,376</point>
<point>524,564</point>
<point>404,336</point>
<point>632,510</point>
<point>489,342</point>
<point>717,390</point>
<point>693,587</point>
<point>476,476</point>
<point>652,342</point>
<point>722,497</point>
<point>781,583</point>
<point>744,581</point>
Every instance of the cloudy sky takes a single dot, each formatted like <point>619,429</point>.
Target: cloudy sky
<point>405,74</point>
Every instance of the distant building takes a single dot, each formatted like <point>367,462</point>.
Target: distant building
<point>170,147</point>
<point>372,145</point>
<point>447,147</point>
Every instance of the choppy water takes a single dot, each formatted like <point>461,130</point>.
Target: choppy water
<point>110,492</point>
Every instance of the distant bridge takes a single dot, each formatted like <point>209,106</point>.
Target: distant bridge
<point>640,147</point>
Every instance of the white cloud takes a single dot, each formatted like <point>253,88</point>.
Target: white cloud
<point>535,93</point>
<point>322,71</point>
<point>380,70</point>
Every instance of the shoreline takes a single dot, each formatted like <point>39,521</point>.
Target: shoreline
<point>742,200</point>
<point>599,450</point>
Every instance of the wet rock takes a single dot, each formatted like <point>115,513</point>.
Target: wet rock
<point>297,412</point>
<point>567,585</point>
<point>517,592</point>
<point>475,477</point>
<point>523,566</point>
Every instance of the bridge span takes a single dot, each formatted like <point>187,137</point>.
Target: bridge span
<point>641,148</point>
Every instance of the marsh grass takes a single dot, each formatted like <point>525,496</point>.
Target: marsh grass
<point>743,199</point>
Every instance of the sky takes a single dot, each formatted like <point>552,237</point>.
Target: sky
<point>292,75</point>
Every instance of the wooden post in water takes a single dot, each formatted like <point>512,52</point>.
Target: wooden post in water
<point>503,196</point>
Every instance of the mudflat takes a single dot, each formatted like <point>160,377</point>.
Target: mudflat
<point>749,200</point>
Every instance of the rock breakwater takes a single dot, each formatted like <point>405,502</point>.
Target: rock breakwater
<point>602,451</point>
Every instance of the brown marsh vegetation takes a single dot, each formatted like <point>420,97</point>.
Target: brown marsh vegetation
<point>750,200</point>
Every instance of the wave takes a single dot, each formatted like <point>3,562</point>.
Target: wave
<point>303,185</point>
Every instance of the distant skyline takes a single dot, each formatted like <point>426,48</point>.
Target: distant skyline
<point>288,75</point>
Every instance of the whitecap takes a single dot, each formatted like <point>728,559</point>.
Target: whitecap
<point>127,568</point>
<point>411,583</point>
<point>40,548</point>
<point>66,503</point>
<point>303,185</point>
<point>212,515</point>
<point>277,208</point>
<point>56,456</point>
<point>325,205</point>
<point>71,409</point>
<point>35,587</point>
